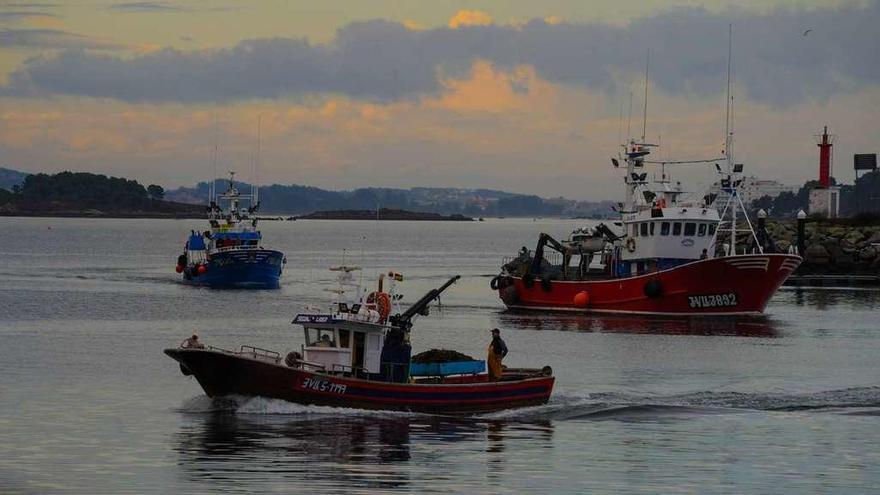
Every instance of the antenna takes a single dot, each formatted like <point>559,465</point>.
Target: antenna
<point>629,118</point>
<point>727,98</point>
<point>255,189</point>
<point>216,156</point>
<point>645,113</point>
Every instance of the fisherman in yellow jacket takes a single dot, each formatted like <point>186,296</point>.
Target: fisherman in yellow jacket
<point>497,351</point>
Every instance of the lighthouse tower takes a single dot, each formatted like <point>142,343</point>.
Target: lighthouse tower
<point>825,198</point>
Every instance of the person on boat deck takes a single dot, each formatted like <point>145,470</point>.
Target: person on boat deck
<point>497,351</point>
<point>325,341</point>
<point>704,255</point>
<point>193,343</point>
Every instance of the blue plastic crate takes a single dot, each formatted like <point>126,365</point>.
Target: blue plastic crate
<point>445,369</point>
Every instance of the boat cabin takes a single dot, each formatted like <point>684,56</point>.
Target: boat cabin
<point>661,238</point>
<point>349,341</point>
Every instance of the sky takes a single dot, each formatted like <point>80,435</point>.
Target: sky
<point>524,96</point>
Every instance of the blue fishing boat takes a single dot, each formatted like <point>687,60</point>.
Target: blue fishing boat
<point>231,255</point>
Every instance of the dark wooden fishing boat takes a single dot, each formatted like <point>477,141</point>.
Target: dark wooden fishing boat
<point>358,357</point>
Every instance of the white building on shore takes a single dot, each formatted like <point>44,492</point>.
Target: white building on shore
<point>753,188</point>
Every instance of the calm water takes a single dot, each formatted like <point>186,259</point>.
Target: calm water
<point>789,403</point>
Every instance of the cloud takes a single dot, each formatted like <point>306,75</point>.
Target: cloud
<point>53,39</point>
<point>30,5</point>
<point>464,18</point>
<point>146,7</point>
<point>413,25</point>
<point>386,61</point>
<point>16,15</point>
<point>162,8</point>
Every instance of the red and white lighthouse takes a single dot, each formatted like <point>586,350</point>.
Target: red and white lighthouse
<point>825,198</point>
<point>825,159</point>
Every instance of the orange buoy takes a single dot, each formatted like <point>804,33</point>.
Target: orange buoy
<point>178,268</point>
<point>381,302</point>
<point>202,269</point>
<point>582,299</point>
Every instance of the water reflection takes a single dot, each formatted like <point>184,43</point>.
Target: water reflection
<point>323,451</point>
<point>751,326</point>
<point>825,299</point>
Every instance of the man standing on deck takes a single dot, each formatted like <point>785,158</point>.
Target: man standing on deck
<point>497,351</point>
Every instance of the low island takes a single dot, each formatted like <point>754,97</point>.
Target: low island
<point>382,214</point>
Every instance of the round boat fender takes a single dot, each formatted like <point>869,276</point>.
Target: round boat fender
<point>547,371</point>
<point>631,245</point>
<point>509,295</point>
<point>185,370</point>
<point>581,299</point>
<point>494,283</point>
<point>546,284</point>
<point>653,288</point>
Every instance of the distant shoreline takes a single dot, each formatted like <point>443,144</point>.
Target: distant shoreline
<point>383,214</point>
<point>77,214</point>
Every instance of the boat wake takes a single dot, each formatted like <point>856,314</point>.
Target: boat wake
<point>262,406</point>
<point>859,401</point>
<point>852,401</point>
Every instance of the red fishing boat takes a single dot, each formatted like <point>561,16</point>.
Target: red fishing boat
<point>675,256</point>
<point>359,357</point>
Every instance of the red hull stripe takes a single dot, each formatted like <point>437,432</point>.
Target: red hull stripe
<point>479,396</point>
<point>433,389</point>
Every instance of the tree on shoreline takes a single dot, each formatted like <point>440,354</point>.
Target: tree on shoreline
<point>156,191</point>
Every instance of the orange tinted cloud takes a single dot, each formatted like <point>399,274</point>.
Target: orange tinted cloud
<point>488,89</point>
<point>464,18</point>
<point>413,25</point>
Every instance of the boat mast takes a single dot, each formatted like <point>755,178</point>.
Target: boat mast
<point>645,111</point>
<point>729,139</point>
<point>255,188</point>
<point>212,191</point>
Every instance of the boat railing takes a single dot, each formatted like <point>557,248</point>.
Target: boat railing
<point>235,248</point>
<point>355,371</point>
<point>259,352</point>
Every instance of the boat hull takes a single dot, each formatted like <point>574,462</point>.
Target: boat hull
<point>241,269</point>
<point>730,285</point>
<point>222,373</point>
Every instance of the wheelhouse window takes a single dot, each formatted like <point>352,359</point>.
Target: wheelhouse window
<point>676,228</point>
<point>711,229</point>
<point>635,230</point>
<point>690,229</point>
<point>652,227</point>
<point>343,338</point>
<point>664,228</point>
<point>643,227</point>
<point>320,337</point>
<point>701,229</point>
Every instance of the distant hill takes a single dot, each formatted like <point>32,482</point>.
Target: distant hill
<point>98,192</point>
<point>85,194</point>
<point>296,199</point>
<point>10,178</point>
